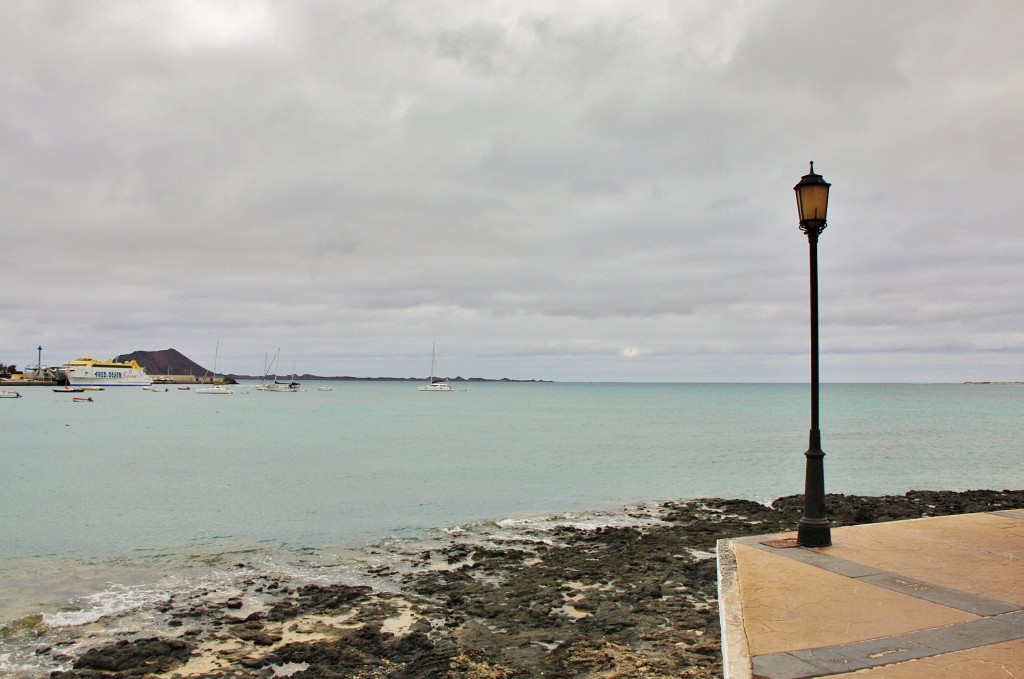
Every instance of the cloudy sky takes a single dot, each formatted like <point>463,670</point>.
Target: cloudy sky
<point>586,190</point>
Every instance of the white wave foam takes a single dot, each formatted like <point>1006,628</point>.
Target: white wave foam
<point>12,668</point>
<point>581,521</point>
<point>112,602</point>
<point>539,528</point>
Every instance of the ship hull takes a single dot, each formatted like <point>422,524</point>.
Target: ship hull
<point>94,374</point>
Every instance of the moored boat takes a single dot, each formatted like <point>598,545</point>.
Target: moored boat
<point>435,383</point>
<point>215,388</point>
<point>88,372</point>
<point>9,394</point>
<point>70,390</point>
<point>276,385</point>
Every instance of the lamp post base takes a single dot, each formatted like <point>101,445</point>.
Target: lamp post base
<point>814,533</point>
<point>813,529</point>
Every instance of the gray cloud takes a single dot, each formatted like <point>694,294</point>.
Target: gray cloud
<point>579,193</point>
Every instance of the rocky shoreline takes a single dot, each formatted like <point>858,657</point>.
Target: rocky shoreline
<point>636,600</point>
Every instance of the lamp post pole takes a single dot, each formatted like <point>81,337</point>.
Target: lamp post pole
<point>39,362</point>
<point>812,204</point>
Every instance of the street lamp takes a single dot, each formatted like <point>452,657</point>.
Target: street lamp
<point>812,205</point>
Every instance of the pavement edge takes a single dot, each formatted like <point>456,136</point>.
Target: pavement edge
<point>735,649</point>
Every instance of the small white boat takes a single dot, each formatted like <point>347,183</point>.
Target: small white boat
<point>70,390</point>
<point>434,384</point>
<point>9,394</point>
<point>278,386</point>
<point>215,388</point>
<point>325,388</point>
<point>155,387</point>
<point>94,388</point>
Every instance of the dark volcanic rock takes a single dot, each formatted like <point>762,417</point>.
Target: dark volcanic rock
<point>369,652</point>
<point>129,658</point>
<point>617,602</point>
<point>844,510</point>
<point>318,599</point>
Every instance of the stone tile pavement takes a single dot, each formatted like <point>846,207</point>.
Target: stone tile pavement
<point>926,598</point>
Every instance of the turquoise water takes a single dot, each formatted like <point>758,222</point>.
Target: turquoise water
<point>136,469</point>
<point>137,474</point>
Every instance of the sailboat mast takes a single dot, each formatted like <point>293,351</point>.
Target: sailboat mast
<point>216,351</point>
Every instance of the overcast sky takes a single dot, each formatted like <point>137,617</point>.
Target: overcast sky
<point>580,191</point>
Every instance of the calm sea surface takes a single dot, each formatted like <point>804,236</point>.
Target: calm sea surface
<point>100,496</point>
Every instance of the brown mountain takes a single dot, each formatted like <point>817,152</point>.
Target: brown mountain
<point>165,362</point>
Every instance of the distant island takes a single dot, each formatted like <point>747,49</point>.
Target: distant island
<point>170,365</point>
<point>988,382</point>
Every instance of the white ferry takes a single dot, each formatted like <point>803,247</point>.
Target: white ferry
<point>88,372</point>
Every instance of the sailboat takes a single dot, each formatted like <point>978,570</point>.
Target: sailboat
<point>215,388</point>
<point>434,384</point>
<point>275,385</point>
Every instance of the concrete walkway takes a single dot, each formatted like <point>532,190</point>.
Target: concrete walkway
<point>928,598</point>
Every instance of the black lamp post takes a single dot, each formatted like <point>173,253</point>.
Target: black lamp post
<point>812,204</point>
<point>39,361</point>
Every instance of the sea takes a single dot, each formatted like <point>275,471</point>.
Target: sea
<point>109,507</point>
